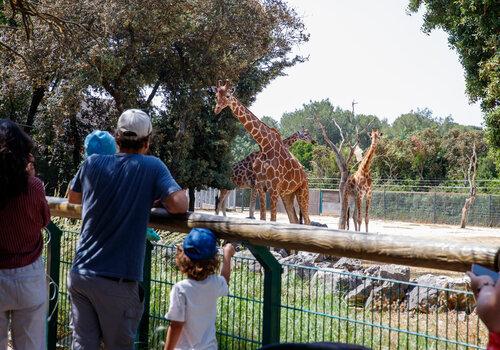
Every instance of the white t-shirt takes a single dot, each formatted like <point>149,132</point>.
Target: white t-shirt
<point>195,304</point>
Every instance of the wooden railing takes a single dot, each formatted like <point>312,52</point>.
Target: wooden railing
<point>396,249</point>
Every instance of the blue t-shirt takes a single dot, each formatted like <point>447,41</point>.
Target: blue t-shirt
<point>117,194</point>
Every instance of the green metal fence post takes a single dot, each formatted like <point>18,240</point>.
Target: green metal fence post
<point>53,268</point>
<point>272,293</point>
<point>143,336</point>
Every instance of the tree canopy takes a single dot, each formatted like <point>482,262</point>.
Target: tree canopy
<point>472,27</point>
<point>161,56</point>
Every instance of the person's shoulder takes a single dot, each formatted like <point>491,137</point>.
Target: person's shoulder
<point>152,161</point>
<point>35,183</point>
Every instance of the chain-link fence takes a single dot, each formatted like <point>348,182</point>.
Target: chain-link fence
<point>325,303</point>
<point>425,207</point>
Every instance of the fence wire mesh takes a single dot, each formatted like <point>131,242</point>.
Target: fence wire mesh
<point>317,304</point>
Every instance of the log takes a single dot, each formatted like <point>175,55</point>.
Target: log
<point>392,249</point>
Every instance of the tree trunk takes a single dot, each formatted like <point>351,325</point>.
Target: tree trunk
<point>344,174</point>
<point>191,199</point>
<point>36,99</point>
<point>465,210</point>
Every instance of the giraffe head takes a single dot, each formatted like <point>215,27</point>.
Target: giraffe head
<point>223,93</point>
<point>306,136</point>
<point>375,136</point>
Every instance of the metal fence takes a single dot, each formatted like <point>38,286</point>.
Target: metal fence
<point>270,302</point>
<point>426,207</point>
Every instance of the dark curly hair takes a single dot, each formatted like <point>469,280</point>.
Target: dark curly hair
<point>15,154</point>
<point>196,270</point>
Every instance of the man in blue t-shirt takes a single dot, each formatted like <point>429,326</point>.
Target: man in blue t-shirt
<point>116,193</point>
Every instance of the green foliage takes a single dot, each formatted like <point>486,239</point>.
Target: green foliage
<point>162,57</point>
<point>303,151</point>
<point>472,27</point>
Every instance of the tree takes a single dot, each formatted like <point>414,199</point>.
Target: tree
<point>472,27</point>
<point>303,151</point>
<point>426,154</point>
<point>160,56</point>
<point>471,178</point>
<point>409,123</point>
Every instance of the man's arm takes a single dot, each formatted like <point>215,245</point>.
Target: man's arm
<point>74,197</point>
<point>173,334</point>
<point>177,202</point>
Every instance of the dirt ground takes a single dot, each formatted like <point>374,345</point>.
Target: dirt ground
<point>473,234</point>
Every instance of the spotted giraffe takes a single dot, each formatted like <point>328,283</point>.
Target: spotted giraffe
<point>276,170</point>
<point>359,185</point>
<point>243,175</point>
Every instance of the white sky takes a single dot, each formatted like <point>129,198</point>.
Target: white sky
<point>372,52</point>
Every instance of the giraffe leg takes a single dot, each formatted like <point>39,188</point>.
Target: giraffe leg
<point>274,205</point>
<point>348,214</point>
<point>221,202</point>
<point>253,200</point>
<point>262,201</point>
<point>367,209</point>
<point>289,207</point>
<point>303,199</point>
<point>358,212</point>
<point>345,205</point>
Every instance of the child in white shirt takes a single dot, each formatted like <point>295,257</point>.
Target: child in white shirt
<point>193,301</point>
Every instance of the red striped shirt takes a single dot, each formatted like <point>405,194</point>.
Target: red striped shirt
<point>21,224</point>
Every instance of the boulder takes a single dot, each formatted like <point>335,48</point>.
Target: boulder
<point>378,291</point>
<point>348,264</point>
<point>424,297</point>
<point>459,297</point>
<point>318,224</point>
<point>306,270</point>
<point>360,294</point>
<point>328,281</point>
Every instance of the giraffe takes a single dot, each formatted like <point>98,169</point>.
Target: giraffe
<point>276,170</point>
<point>243,175</point>
<point>359,185</point>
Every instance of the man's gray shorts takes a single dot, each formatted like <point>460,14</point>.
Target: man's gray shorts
<point>103,309</point>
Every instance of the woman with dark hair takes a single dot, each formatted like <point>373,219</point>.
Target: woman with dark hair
<point>23,214</point>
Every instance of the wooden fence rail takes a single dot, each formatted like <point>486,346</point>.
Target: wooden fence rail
<point>403,250</point>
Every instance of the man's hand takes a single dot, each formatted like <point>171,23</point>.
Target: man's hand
<point>177,202</point>
<point>74,197</point>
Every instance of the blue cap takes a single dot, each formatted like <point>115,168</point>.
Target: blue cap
<point>99,142</point>
<point>200,244</point>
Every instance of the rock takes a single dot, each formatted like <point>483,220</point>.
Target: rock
<point>457,298</point>
<point>301,258</point>
<point>377,292</point>
<point>332,281</point>
<point>423,297</point>
<point>245,259</point>
<point>348,264</point>
<point>283,253</point>
<point>306,270</point>
<point>360,294</point>
<point>318,224</point>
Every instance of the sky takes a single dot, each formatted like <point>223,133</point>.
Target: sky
<point>372,52</point>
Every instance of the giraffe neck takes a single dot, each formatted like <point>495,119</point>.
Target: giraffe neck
<point>255,127</point>
<point>367,160</point>
<point>290,140</point>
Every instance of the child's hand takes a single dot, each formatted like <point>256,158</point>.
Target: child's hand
<point>229,250</point>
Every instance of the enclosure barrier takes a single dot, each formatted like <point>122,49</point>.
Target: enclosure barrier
<point>277,306</point>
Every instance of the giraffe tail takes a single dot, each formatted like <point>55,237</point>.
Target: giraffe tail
<point>301,219</point>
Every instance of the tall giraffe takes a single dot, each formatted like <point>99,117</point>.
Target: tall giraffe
<point>359,185</point>
<point>243,175</point>
<point>276,170</point>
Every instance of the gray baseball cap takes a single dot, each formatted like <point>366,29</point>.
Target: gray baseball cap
<point>134,124</point>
